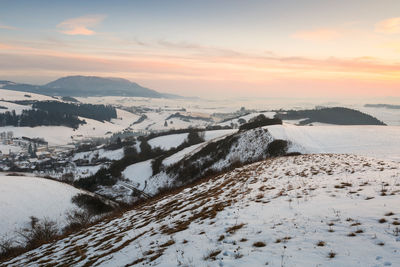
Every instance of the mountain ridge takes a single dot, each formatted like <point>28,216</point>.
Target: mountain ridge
<point>86,86</point>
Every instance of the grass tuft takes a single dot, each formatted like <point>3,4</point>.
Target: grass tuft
<point>259,244</point>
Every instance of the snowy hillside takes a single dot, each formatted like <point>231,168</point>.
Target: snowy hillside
<point>22,197</point>
<point>168,141</point>
<point>247,146</point>
<point>309,210</point>
<point>376,141</point>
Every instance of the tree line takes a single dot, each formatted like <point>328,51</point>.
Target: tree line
<point>90,111</point>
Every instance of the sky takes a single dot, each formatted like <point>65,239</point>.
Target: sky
<point>219,48</point>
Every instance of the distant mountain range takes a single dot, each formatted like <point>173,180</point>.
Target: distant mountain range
<point>85,86</point>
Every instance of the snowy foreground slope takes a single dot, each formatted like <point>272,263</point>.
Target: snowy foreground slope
<point>308,210</point>
<point>23,196</point>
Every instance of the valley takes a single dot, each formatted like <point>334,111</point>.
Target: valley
<point>137,157</point>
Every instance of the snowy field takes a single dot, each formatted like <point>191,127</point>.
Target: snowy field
<point>309,210</point>
<point>168,141</point>
<point>22,197</point>
<point>138,173</point>
<point>375,141</point>
<point>15,95</point>
<point>11,106</point>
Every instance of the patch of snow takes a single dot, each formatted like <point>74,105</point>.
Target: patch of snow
<point>210,135</point>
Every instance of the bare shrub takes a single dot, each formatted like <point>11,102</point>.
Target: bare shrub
<point>331,255</point>
<point>77,219</point>
<point>6,245</point>
<point>38,232</point>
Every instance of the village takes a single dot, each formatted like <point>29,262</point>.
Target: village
<point>27,154</point>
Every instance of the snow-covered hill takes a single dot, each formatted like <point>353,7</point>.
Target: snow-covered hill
<point>308,210</point>
<point>22,197</point>
<point>227,148</point>
<point>11,95</point>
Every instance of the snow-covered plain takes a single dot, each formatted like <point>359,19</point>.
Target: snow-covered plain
<point>376,141</point>
<point>308,210</point>
<point>22,197</point>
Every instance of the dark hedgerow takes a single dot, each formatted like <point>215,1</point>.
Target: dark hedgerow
<point>90,111</point>
<point>277,148</point>
<point>93,205</point>
<point>91,183</point>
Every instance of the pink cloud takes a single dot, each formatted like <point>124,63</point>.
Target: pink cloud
<point>317,35</point>
<point>80,25</point>
<point>388,26</point>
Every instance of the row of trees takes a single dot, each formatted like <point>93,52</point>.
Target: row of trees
<point>96,112</point>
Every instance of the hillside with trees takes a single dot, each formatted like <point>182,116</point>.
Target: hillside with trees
<point>336,115</point>
<point>33,118</point>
